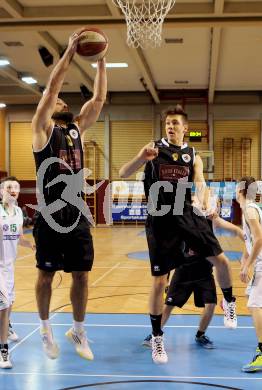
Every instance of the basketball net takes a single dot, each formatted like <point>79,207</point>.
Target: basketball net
<point>144,20</point>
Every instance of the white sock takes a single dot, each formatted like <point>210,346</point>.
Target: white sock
<point>78,326</point>
<point>45,324</point>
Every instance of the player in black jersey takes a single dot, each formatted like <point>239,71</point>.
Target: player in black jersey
<point>191,278</point>
<point>171,167</point>
<point>61,231</point>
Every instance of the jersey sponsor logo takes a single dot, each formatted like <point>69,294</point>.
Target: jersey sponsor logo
<point>73,133</point>
<point>173,172</point>
<point>186,158</point>
<point>74,160</point>
<point>11,237</point>
<point>5,228</point>
<point>69,141</point>
<point>175,156</point>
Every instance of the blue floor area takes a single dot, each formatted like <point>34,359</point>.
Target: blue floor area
<point>144,255</point>
<point>232,255</point>
<point>224,233</point>
<point>139,255</point>
<point>218,232</point>
<point>122,363</point>
<point>28,231</point>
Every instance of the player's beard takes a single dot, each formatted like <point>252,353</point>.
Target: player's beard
<point>63,116</point>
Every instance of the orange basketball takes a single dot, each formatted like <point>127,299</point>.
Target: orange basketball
<point>93,44</point>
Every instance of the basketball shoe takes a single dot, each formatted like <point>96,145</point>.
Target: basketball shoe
<point>159,354</point>
<point>12,336</point>
<point>5,361</point>
<point>50,347</point>
<point>147,342</point>
<point>230,317</point>
<point>80,341</point>
<point>256,364</point>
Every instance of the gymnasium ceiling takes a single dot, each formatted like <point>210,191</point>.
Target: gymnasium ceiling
<point>221,47</point>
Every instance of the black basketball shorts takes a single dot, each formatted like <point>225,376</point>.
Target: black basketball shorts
<point>204,292</point>
<point>165,235</point>
<point>69,252</point>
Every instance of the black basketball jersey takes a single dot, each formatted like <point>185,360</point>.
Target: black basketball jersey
<point>174,164</point>
<point>65,144</point>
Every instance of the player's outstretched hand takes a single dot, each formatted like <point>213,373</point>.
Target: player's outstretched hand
<point>148,152</point>
<point>73,40</point>
<point>212,213</point>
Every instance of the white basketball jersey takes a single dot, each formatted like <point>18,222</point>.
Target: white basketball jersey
<point>10,230</point>
<point>249,238</point>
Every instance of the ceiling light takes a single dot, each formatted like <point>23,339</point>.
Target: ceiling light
<point>113,65</point>
<point>2,105</point>
<point>29,80</point>
<point>4,62</point>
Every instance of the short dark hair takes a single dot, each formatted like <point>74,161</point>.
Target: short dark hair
<point>9,178</point>
<point>177,110</point>
<point>247,189</point>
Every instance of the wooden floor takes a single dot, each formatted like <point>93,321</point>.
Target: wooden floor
<point>117,284</point>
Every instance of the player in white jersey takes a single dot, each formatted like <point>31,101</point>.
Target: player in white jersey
<point>252,257</point>
<point>11,233</point>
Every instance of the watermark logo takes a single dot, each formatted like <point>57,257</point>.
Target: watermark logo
<point>72,194</point>
<point>164,196</point>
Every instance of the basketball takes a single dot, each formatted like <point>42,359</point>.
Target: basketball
<point>93,44</point>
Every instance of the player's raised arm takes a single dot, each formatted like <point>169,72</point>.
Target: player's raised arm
<point>42,122</point>
<point>202,191</point>
<point>91,110</point>
<point>147,153</point>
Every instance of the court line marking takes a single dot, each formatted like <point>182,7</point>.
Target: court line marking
<point>132,326</point>
<point>133,376</point>
<point>52,316</point>
<point>93,269</point>
<point>105,274</point>
<point>23,257</point>
<point>29,334</point>
<point>97,267</point>
<point>106,267</point>
<point>24,339</point>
